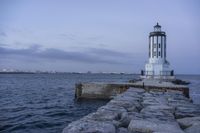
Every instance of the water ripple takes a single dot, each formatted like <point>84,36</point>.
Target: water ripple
<point>44,103</point>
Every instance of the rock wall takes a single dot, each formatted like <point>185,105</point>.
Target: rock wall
<point>140,111</point>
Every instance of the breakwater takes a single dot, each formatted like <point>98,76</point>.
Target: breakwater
<point>156,107</point>
<point>101,90</point>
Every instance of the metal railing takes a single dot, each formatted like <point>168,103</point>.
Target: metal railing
<point>162,73</point>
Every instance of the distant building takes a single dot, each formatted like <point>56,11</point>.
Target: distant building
<point>157,66</point>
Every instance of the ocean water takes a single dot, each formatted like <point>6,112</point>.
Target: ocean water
<point>194,86</point>
<point>44,103</point>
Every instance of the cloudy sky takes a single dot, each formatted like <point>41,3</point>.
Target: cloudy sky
<point>97,35</point>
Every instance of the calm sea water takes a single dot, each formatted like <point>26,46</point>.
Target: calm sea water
<point>44,103</point>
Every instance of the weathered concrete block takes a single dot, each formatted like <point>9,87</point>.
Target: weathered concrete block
<point>109,90</point>
<point>99,90</point>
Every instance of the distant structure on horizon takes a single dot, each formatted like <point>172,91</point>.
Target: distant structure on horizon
<point>157,66</point>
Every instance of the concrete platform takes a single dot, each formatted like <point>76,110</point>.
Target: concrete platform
<point>102,90</point>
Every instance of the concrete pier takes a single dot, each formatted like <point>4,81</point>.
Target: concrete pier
<point>164,109</point>
<point>99,90</point>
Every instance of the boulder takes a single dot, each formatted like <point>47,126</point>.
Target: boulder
<point>123,103</point>
<point>188,121</point>
<point>123,130</point>
<point>137,90</point>
<point>113,108</point>
<point>149,126</point>
<point>187,111</point>
<point>103,116</point>
<point>106,113</point>
<point>160,107</point>
<point>89,126</point>
<point>193,129</point>
<point>161,115</point>
<point>147,102</point>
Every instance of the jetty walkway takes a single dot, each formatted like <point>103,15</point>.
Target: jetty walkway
<point>141,110</point>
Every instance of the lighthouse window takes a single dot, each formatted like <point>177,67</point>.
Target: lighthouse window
<point>154,45</point>
<point>154,53</point>
<point>159,45</point>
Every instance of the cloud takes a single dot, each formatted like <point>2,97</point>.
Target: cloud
<point>68,36</point>
<point>3,34</point>
<point>107,52</point>
<point>90,55</point>
<point>3,45</point>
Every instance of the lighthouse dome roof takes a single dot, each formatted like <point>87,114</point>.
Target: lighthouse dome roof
<point>157,26</point>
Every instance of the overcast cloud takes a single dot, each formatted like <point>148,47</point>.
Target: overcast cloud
<point>91,55</point>
<point>96,35</point>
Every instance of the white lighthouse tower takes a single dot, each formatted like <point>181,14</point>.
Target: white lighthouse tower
<point>157,66</point>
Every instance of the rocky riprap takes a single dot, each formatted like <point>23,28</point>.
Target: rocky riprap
<point>138,111</point>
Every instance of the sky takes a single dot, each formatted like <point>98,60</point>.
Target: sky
<point>96,35</point>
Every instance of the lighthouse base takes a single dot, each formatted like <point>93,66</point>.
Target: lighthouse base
<point>160,77</point>
<point>158,71</point>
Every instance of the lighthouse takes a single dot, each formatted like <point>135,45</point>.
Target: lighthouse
<point>157,66</point>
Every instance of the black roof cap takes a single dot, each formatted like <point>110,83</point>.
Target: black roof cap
<point>157,26</point>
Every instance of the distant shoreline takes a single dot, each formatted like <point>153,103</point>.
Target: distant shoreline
<point>17,73</point>
<point>59,73</point>
<point>82,73</point>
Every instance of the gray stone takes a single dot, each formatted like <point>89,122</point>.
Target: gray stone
<point>133,109</point>
<point>137,111</point>
<point>112,107</point>
<point>161,112</point>
<point>138,90</point>
<point>150,102</point>
<point>106,113</point>
<point>146,94</point>
<point>127,97</point>
<point>127,117</point>
<point>82,126</point>
<point>161,107</point>
<point>123,103</point>
<point>160,115</point>
<point>149,126</point>
<point>125,120</point>
<point>154,93</point>
<point>122,130</point>
<point>162,132</point>
<point>188,121</point>
<point>103,116</point>
<point>193,129</point>
<point>154,101</point>
<point>187,111</point>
